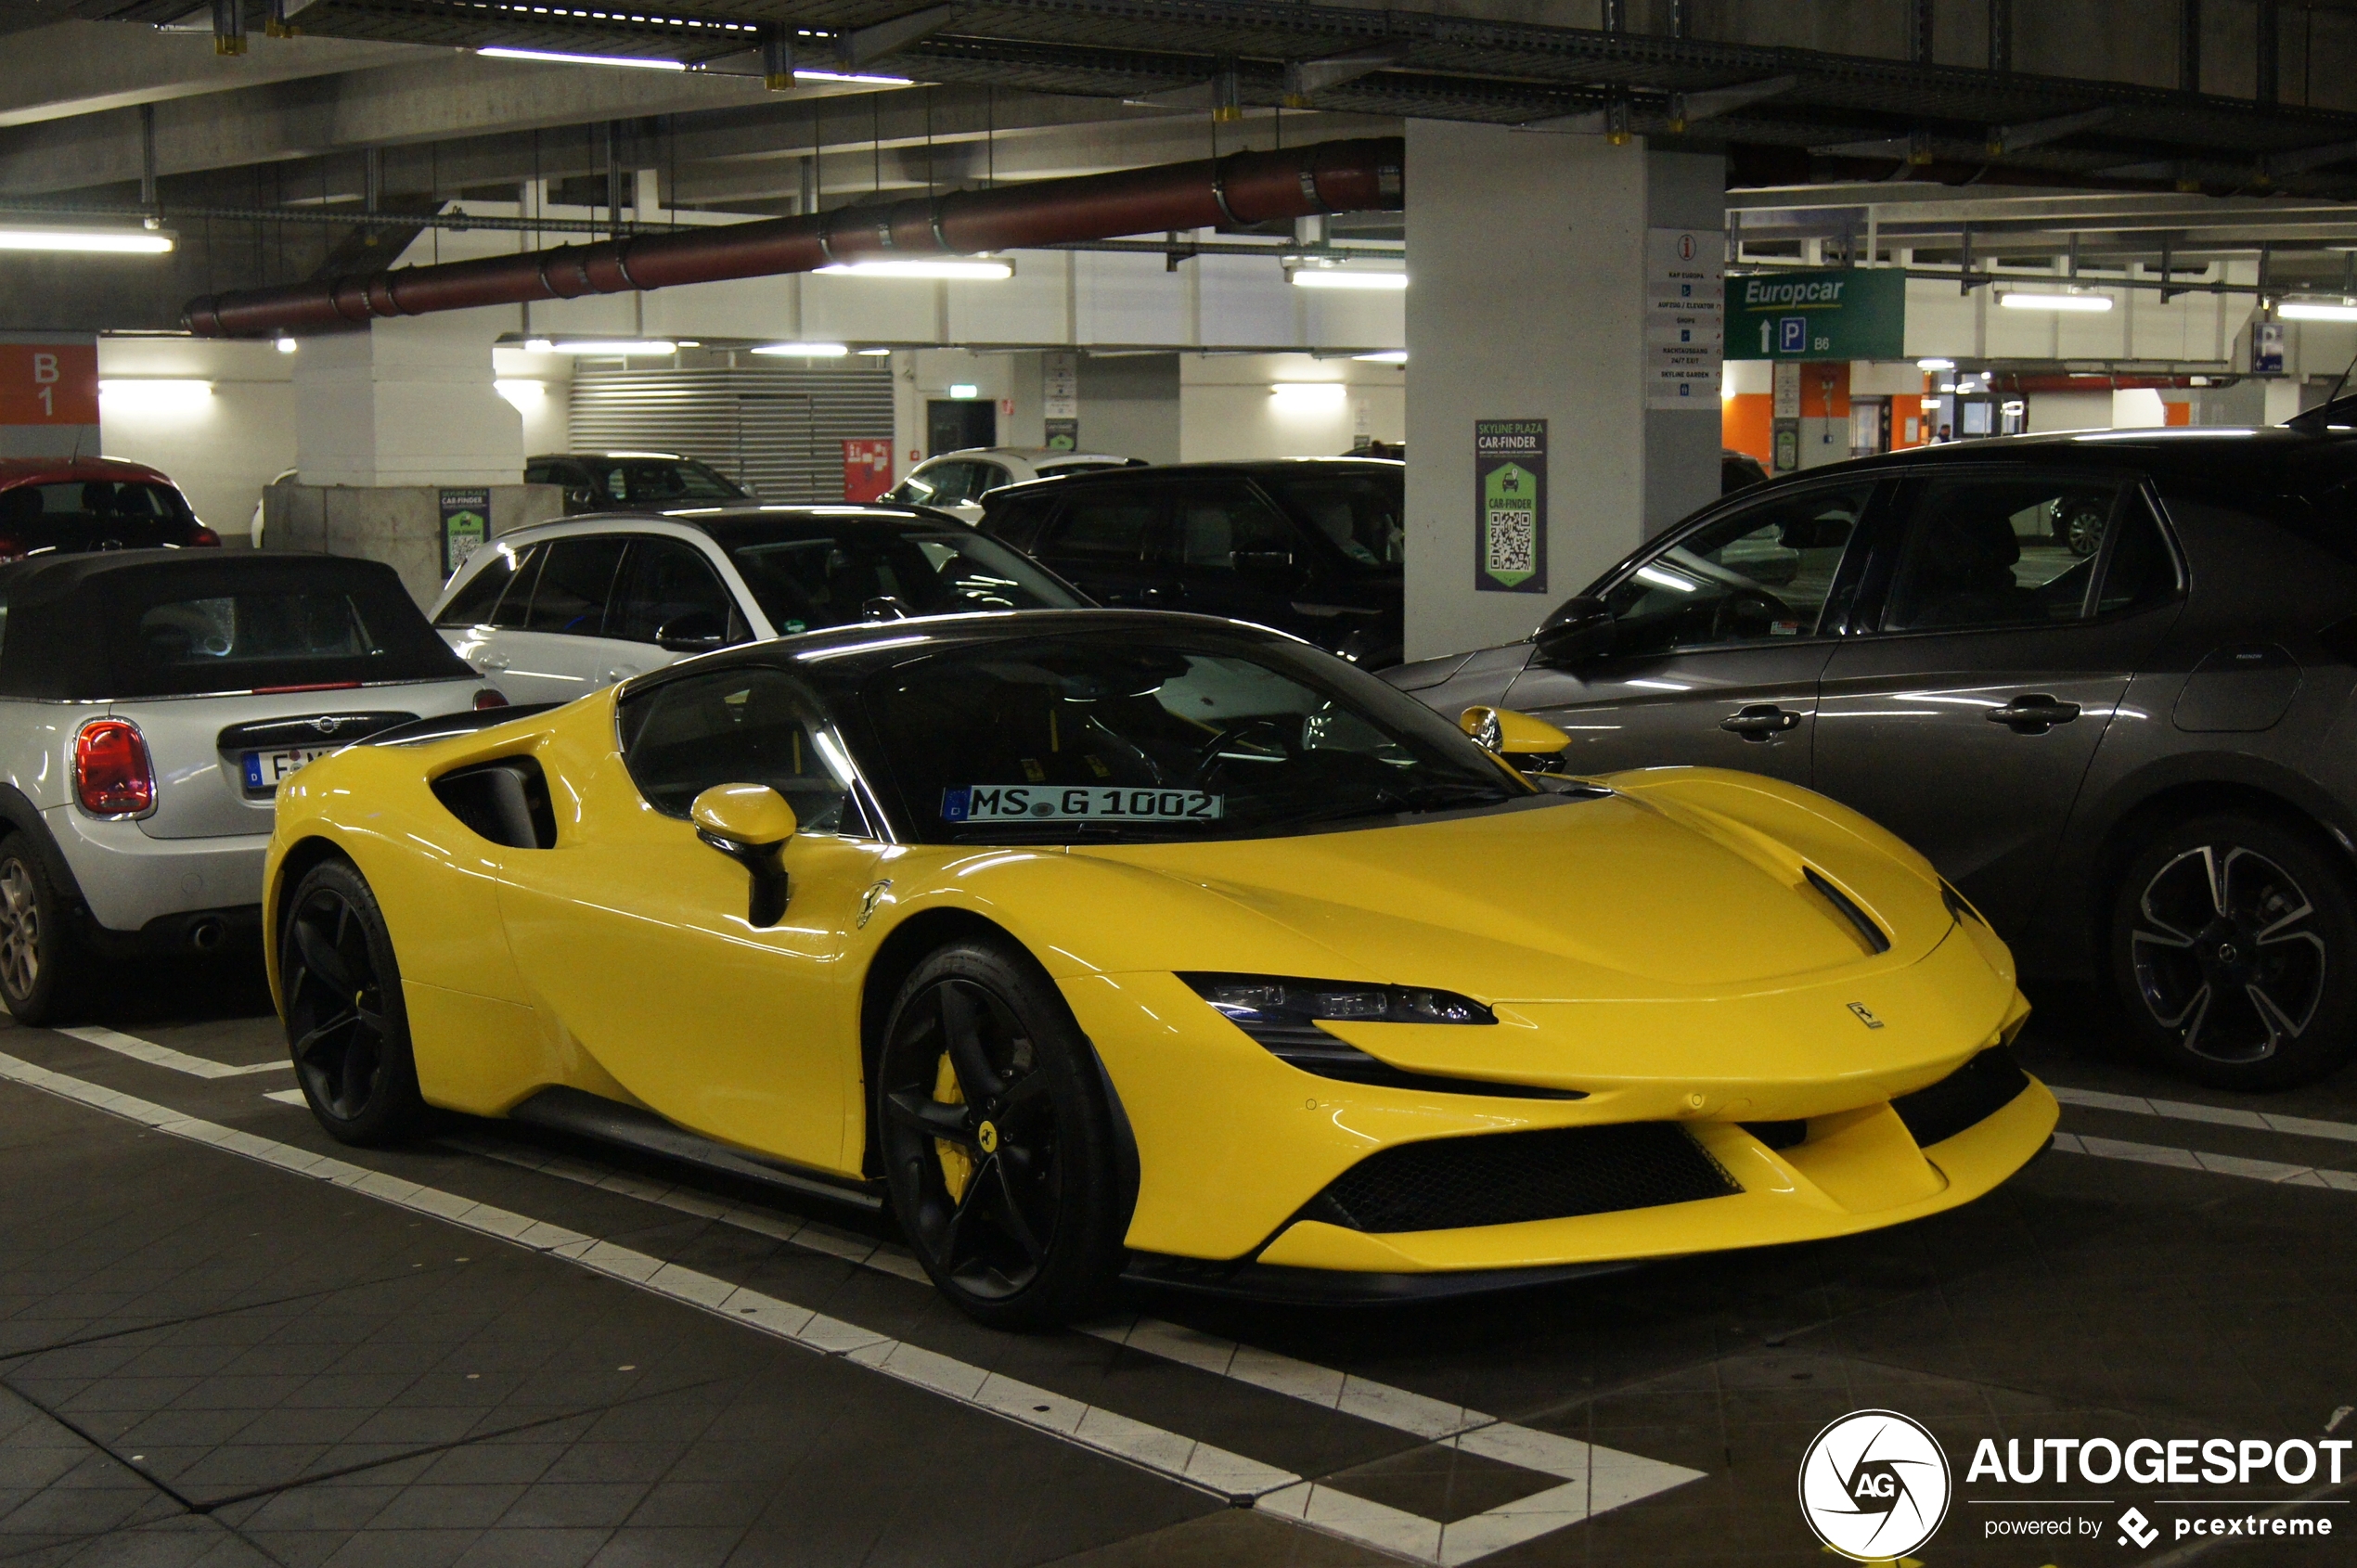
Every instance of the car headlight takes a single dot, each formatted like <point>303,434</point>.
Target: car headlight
<point>1282,1013</point>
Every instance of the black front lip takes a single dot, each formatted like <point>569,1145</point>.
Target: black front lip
<point>1279,1285</point>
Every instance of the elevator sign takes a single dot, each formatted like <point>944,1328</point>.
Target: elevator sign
<point>1685,272</point>
<point>1834,313</point>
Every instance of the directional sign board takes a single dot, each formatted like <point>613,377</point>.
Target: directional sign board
<point>1834,313</point>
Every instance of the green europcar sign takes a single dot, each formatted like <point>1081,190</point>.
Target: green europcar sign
<point>1832,313</point>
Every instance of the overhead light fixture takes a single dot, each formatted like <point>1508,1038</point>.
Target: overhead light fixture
<point>522,391</point>
<point>1382,356</point>
<point>964,389</point>
<point>873,353</point>
<point>2023,300</point>
<point>2318,310</point>
<point>155,394</point>
<point>94,241</point>
<point>555,57</point>
<point>1346,277</point>
<point>538,345</point>
<point>614,347</point>
<point>956,269</point>
<point>803,350</point>
<point>857,77</point>
<point>1934,364</point>
<point>1308,394</point>
<point>286,345</point>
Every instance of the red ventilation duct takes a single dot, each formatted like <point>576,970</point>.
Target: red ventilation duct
<point>1245,187</point>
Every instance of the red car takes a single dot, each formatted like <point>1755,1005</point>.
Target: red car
<point>70,504</point>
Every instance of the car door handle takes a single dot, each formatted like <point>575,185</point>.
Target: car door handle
<point>491,662</point>
<point>2033,714</point>
<point>1761,721</point>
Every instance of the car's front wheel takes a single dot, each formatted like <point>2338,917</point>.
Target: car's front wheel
<point>38,955</point>
<point>346,1027</point>
<point>996,1141</point>
<point>2234,950</point>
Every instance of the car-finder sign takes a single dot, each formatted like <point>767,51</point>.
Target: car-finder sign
<point>1834,313</point>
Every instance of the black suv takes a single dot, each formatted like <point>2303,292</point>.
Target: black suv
<point>1310,545</point>
<point>602,481</point>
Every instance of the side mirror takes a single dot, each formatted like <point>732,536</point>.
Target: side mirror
<point>1580,630</point>
<point>750,824</point>
<point>581,498</point>
<point>1527,743</point>
<point>699,631</point>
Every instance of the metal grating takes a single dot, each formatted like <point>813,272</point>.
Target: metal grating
<point>1506,1178</point>
<point>778,432</point>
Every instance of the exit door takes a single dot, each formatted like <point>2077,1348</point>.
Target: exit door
<point>955,424</point>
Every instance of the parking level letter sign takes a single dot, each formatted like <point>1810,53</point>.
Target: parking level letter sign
<point>1510,501</point>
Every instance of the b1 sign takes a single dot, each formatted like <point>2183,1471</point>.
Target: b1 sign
<point>48,395</point>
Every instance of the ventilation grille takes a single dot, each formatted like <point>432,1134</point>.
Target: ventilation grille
<point>778,432</point>
<point>1965,1098</point>
<point>1506,1178</point>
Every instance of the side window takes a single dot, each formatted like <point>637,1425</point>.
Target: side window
<point>1016,523</point>
<point>1106,525</point>
<point>474,603</point>
<point>943,484</point>
<point>1998,551</point>
<point>541,473</point>
<point>1217,523</point>
<point>1756,575</point>
<point>988,478</point>
<point>516,603</point>
<point>737,726</point>
<point>671,596</point>
<point>2141,570</point>
<point>575,583</point>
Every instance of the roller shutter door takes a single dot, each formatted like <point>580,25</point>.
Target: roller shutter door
<point>778,432</point>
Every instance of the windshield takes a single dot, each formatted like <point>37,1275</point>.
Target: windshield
<point>100,502</point>
<point>1360,512</point>
<point>1145,738</point>
<point>880,573</point>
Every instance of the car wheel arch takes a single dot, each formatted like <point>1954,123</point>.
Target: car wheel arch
<point>294,865</point>
<point>2183,801</point>
<point>19,815</point>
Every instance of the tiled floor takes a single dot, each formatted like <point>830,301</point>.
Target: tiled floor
<point>216,1353</point>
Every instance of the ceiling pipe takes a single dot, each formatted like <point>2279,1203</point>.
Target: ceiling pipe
<point>1245,187</point>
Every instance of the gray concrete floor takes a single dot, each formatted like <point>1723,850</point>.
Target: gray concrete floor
<point>206,1357</point>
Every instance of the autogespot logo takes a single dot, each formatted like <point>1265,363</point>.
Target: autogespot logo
<point>1875,1486</point>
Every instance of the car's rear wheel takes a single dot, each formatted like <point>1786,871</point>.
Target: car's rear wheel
<point>346,1028</point>
<point>997,1144</point>
<point>39,961</point>
<point>2234,950</point>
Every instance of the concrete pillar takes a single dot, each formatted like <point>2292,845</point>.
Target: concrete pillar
<point>1530,302</point>
<point>406,401</point>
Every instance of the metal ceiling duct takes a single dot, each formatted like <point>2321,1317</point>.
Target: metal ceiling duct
<point>1245,187</point>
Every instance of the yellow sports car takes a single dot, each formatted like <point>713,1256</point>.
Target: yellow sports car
<point>1101,941</point>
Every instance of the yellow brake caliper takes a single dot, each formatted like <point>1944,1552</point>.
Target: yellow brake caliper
<point>957,1166</point>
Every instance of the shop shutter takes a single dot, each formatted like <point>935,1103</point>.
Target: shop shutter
<point>777,431</point>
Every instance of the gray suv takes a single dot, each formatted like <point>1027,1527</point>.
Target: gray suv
<point>2129,742</point>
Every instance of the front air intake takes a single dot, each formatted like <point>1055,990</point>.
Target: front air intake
<point>1506,1178</point>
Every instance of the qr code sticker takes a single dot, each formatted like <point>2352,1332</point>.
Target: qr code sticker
<point>1510,539</point>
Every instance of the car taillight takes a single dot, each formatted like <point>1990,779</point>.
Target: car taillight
<point>200,534</point>
<point>111,774</point>
<point>11,548</point>
<point>487,699</point>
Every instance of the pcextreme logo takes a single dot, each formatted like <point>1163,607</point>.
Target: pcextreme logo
<point>1875,1486</point>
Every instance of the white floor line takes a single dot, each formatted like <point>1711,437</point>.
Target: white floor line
<point>164,1056</point>
<point>2186,1110</point>
<point>1594,1479</point>
<point>286,1096</point>
<point>2201,1160</point>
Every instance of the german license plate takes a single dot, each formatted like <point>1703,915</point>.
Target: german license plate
<point>266,770</point>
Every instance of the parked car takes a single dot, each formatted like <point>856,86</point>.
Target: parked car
<point>556,609</point>
<point>260,502</point>
<point>1101,943</point>
<point>70,504</point>
<point>598,481</point>
<point>2135,762</point>
<point>1310,545</point>
<point>151,702</point>
<point>1739,470</point>
<point>956,481</point>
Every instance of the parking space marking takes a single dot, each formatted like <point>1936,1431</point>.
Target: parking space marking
<point>286,1096</point>
<point>2275,1171</point>
<point>164,1056</point>
<point>1595,1479</point>
<point>2224,1116</point>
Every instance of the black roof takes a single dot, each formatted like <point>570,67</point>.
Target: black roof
<point>1252,468</point>
<point>2271,459</point>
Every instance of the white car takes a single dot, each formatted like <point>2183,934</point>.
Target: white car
<point>956,481</point>
<point>151,701</point>
<point>559,608</point>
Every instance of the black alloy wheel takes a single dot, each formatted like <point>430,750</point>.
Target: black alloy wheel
<point>2235,947</point>
<point>38,958</point>
<point>346,1028</point>
<point>2083,532</point>
<point>995,1140</point>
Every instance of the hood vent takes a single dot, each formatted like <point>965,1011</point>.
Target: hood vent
<point>1873,936</point>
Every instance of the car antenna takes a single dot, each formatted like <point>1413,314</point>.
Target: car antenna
<point>2319,419</point>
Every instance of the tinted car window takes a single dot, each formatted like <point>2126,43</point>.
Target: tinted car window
<point>1016,520</point>
<point>942,484</point>
<point>251,638</point>
<point>671,594</point>
<point>1105,525</point>
<point>2141,570</point>
<point>474,603</point>
<point>1217,522</point>
<point>1998,552</point>
<point>1758,574</point>
<point>515,605</point>
<point>1360,512</point>
<point>94,500</point>
<point>573,586</point>
<point>736,727</point>
<point>662,482</point>
<point>808,582</point>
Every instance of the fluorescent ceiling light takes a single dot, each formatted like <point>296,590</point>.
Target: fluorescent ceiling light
<point>964,389</point>
<point>1342,278</point>
<point>105,241</point>
<point>1308,393</point>
<point>1383,356</point>
<point>2318,310</point>
<point>613,346</point>
<point>803,350</point>
<point>873,353</point>
<point>1934,364</point>
<point>2020,301</point>
<point>155,393</point>
<point>287,345</point>
<point>948,267</point>
<point>556,57</point>
<point>861,78</point>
